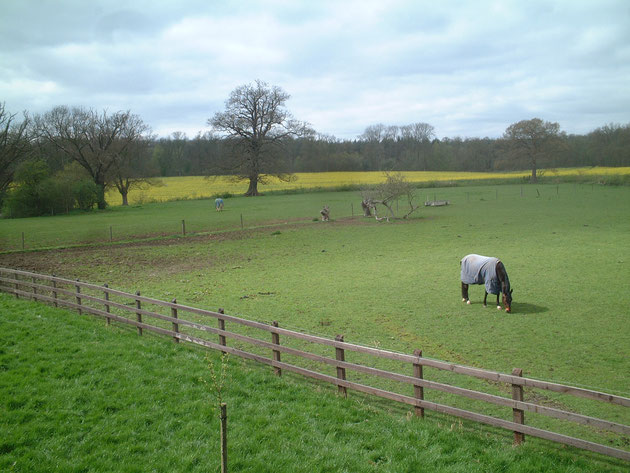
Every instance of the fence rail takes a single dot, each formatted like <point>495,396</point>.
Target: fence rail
<point>127,308</point>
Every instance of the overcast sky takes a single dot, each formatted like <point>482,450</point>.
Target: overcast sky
<point>469,68</point>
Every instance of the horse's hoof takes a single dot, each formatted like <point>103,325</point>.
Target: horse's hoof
<point>463,300</point>
<point>468,302</point>
<point>498,307</point>
<point>485,305</point>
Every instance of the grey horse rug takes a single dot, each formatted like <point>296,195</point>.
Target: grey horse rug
<point>478,269</point>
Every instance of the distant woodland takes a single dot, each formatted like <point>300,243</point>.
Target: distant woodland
<point>68,157</point>
<point>383,148</point>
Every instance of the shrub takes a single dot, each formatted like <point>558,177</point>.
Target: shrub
<point>86,193</point>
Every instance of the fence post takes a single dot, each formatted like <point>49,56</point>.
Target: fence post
<point>34,288</point>
<point>418,391</point>
<point>341,372</point>
<point>352,208</point>
<point>275,339</point>
<point>17,285</point>
<point>78,297</point>
<point>54,285</point>
<point>107,319</point>
<point>518,414</point>
<point>222,327</point>
<point>241,221</point>
<point>111,234</point>
<point>175,324</point>
<point>184,227</point>
<point>138,314</point>
<point>223,437</point>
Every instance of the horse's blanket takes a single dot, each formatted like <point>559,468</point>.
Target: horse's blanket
<point>478,269</point>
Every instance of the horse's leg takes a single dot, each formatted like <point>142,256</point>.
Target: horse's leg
<point>498,304</point>
<point>465,293</point>
<point>485,298</point>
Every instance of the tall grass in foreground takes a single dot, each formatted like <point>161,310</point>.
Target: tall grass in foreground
<point>78,396</point>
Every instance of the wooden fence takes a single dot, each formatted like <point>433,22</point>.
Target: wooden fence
<point>131,309</point>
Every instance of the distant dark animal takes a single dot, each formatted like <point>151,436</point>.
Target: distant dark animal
<point>489,271</point>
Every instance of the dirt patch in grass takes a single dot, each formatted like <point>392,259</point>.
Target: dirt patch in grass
<point>71,262</point>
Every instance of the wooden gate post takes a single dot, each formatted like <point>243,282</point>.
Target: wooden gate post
<point>341,372</point>
<point>138,314</point>
<point>106,294</point>
<point>518,414</point>
<point>221,323</point>
<point>175,325</point>
<point>78,297</point>
<point>275,339</point>
<point>418,391</point>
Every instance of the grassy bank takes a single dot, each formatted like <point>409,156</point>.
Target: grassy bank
<point>78,396</point>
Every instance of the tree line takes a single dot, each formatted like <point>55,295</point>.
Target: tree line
<point>69,156</point>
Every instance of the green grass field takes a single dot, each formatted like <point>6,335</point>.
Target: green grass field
<point>77,396</point>
<point>396,285</point>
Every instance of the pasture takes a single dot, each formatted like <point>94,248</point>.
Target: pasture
<point>78,396</point>
<point>396,285</point>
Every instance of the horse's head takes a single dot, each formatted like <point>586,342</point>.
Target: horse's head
<point>507,300</point>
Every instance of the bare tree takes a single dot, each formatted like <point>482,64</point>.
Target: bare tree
<point>420,131</point>
<point>131,169</point>
<point>394,188</point>
<point>374,133</point>
<point>534,139</point>
<point>14,145</point>
<point>99,142</point>
<point>256,124</point>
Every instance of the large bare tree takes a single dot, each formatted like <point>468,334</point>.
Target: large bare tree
<point>534,139</point>
<point>255,125</point>
<point>14,145</point>
<point>100,142</point>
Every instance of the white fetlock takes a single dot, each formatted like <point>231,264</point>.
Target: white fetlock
<point>463,299</point>
<point>499,307</point>
<point>468,302</point>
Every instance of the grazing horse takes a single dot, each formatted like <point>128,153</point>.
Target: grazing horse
<point>490,271</point>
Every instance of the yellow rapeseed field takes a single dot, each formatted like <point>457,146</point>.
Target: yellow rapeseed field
<point>194,187</point>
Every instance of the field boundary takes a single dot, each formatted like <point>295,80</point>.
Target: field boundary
<point>131,309</point>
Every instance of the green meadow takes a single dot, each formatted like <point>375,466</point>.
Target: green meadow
<point>393,285</point>
<point>77,396</point>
